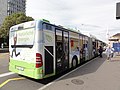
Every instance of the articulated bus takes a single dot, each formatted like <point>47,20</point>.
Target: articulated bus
<point>39,49</point>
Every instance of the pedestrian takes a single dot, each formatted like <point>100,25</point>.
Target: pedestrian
<point>112,52</point>
<point>100,51</point>
<point>109,52</point>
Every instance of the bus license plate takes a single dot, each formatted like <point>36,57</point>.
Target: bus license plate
<point>20,68</point>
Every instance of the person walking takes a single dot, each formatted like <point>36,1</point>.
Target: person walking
<point>100,51</point>
<point>112,52</point>
<point>109,52</point>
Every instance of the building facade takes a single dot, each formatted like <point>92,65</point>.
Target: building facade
<point>7,7</point>
<point>114,41</point>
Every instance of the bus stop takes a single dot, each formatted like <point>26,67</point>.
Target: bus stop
<point>115,42</point>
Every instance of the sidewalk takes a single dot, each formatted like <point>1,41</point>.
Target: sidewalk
<point>99,74</point>
<point>4,50</point>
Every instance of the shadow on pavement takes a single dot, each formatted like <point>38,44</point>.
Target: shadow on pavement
<point>88,68</point>
<point>42,81</point>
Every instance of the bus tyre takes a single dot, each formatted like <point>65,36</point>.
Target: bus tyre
<point>74,63</point>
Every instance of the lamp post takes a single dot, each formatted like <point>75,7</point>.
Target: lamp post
<point>107,36</point>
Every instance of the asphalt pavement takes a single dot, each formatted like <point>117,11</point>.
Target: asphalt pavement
<point>4,60</point>
<point>99,74</point>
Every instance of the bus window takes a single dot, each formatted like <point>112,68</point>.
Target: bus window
<point>22,38</point>
<point>47,27</point>
<point>74,41</point>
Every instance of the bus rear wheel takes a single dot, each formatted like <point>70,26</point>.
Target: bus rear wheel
<point>74,63</point>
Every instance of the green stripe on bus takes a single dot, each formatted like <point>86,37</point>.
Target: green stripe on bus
<point>27,69</point>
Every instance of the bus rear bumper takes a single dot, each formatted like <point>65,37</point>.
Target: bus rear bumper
<point>35,73</point>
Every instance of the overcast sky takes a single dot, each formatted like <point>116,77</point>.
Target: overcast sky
<point>92,16</point>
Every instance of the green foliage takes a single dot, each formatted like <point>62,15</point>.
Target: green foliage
<point>11,20</point>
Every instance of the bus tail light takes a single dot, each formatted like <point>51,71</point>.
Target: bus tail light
<point>39,62</point>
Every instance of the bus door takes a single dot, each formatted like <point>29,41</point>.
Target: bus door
<point>66,50</point>
<point>62,51</point>
<point>49,41</point>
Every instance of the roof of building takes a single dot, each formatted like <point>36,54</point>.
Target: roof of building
<point>116,35</point>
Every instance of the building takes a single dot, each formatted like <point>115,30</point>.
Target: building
<point>7,7</point>
<point>115,42</point>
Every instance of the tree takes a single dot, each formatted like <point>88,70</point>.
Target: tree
<point>13,19</point>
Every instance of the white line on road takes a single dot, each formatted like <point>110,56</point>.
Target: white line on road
<point>45,86</point>
<point>6,74</point>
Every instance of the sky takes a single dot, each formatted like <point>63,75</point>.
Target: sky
<point>97,17</point>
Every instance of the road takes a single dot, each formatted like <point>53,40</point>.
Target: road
<point>4,59</point>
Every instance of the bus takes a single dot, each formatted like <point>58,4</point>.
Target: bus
<point>39,49</point>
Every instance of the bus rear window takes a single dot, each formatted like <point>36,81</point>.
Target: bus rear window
<point>22,38</point>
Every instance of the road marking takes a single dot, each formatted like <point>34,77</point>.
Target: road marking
<point>13,79</point>
<point>45,86</point>
<point>6,74</point>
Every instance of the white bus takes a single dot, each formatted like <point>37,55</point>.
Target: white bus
<point>39,49</point>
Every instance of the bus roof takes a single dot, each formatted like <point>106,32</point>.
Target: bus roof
<point>33,23</point>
